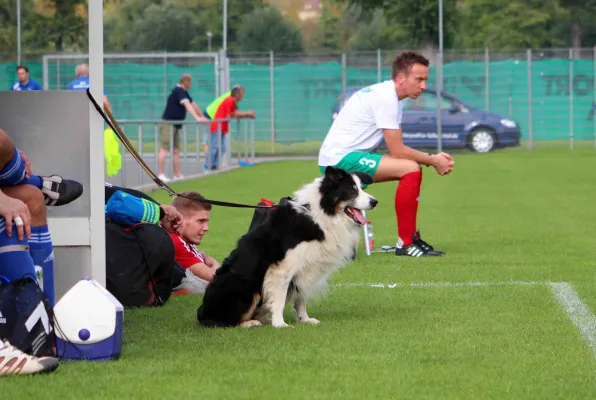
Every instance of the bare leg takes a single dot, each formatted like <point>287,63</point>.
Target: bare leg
<point>391,169</point>
<point>33,198</point>
<point>177,162</point>
<point>161,158</point>
<point>6,148</point>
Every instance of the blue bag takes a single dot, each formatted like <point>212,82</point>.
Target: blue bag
<point>130,210</point>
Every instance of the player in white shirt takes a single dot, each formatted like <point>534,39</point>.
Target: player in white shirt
<point>372,114</point>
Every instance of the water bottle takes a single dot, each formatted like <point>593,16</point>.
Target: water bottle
<point>371,239</point>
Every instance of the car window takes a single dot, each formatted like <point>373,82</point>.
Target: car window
<point>426,102</point>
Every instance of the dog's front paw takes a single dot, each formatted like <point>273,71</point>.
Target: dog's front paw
<point>281,324</point>
<point>309,320</point>
<point>250,324</point>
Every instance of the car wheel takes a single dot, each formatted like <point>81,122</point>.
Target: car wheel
<point>482,140</point>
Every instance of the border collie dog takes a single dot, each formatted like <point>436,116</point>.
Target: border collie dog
<point>290,255</point>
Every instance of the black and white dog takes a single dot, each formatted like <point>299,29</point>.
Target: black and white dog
<point>290,255</point>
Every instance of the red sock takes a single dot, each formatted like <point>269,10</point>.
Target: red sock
<point>406,205</point>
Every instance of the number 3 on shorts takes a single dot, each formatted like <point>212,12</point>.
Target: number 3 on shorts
<point>368,162</point>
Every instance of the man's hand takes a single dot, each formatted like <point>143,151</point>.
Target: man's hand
<point>202,119</point>
<point>211,262</point>
<point>251,114</point>
<point>443,163</point>
<point>173,218</point>
<point>12,208</point>
<point>27,163</point>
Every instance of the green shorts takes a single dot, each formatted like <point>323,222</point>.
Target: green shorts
<point>358,162</point>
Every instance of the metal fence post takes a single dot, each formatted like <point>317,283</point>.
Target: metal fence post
<point>530,113</point>
<point>272,98</point>
<point>58,75</point>
<point>439,95</point>
<point>571,99</point>
<point>252,141</point>
<point>222,71</point>
<point>140,147</point>
<point>594,93</point>
<point>486,79</point>
<point>343,72</point>
<point>379,66</point>
<point>165,76</point>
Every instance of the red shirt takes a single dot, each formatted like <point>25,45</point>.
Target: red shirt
<point>186,254</point>
<point>225,109</point>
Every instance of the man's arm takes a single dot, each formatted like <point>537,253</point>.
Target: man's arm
<point>198,109</point>
<point>397,148</point>
<point>11,208</point>
<point>211,262</point>
<point>242,114</point>
<point>189,107</point>
<point>203,271</point>
<point>442,162</point>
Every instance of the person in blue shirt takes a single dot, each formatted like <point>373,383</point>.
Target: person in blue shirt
<point>24,83</point>
<point>81,82</point>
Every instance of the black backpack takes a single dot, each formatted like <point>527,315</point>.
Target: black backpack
<point>140,264</point>
<point>261,214</point>
<point>27,318</point>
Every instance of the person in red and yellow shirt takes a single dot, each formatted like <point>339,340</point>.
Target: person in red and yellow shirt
<point>227,109</point>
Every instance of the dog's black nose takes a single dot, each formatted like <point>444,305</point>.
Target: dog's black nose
<point>373,203</point>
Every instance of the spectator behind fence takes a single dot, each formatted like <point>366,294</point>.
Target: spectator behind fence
<point>23,82</point>
<point>227,109</point>
<point>81,82</point>
<point>199,268</point>
<point>177,104</point>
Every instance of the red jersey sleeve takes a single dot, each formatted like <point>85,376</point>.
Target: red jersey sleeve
<point>186,254</point>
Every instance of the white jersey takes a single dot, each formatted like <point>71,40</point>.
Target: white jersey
<point>360,123</point>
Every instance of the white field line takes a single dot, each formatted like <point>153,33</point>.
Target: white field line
<point>438,284</point>
<point>577,311</point>
<point>566,296</point>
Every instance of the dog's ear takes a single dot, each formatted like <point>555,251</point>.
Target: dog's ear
<point>364,178</point>
<point>334,174</point>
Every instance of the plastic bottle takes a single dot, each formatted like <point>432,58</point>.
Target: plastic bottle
<point>371,238</point>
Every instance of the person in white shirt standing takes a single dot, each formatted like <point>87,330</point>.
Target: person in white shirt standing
<point>372,114</point>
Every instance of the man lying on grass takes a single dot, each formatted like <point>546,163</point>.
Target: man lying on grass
<point>187,221</point>
<point>199,268</point>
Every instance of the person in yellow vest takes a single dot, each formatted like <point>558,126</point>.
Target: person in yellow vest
<point>226,110</point>
<point>209,111</point>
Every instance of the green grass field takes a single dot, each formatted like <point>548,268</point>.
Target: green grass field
<point>502,218</point>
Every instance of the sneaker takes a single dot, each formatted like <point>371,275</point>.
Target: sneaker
<point>190,284</point>
<point>418,248</point>
<point>163,178</point>
<point>58,191</point>
<point>416,237</point>
<point>14,362</point>
<point>178,177</point>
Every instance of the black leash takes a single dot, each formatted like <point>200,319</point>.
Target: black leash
<point>111,121</point>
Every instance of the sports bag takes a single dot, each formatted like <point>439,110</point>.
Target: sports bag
<point>261,214</point>
<point>139,264</point>
<point>27,318</point>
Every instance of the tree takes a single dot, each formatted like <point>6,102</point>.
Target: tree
<point>209,17</point>
<point>516,24</point>
<point>61,23</point>
<point>166,27</point>
<point>414,23</point>
<point>581,20</point>
<point>265,29</point>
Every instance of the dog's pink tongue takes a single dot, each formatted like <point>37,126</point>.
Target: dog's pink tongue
<point>359,216</point>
